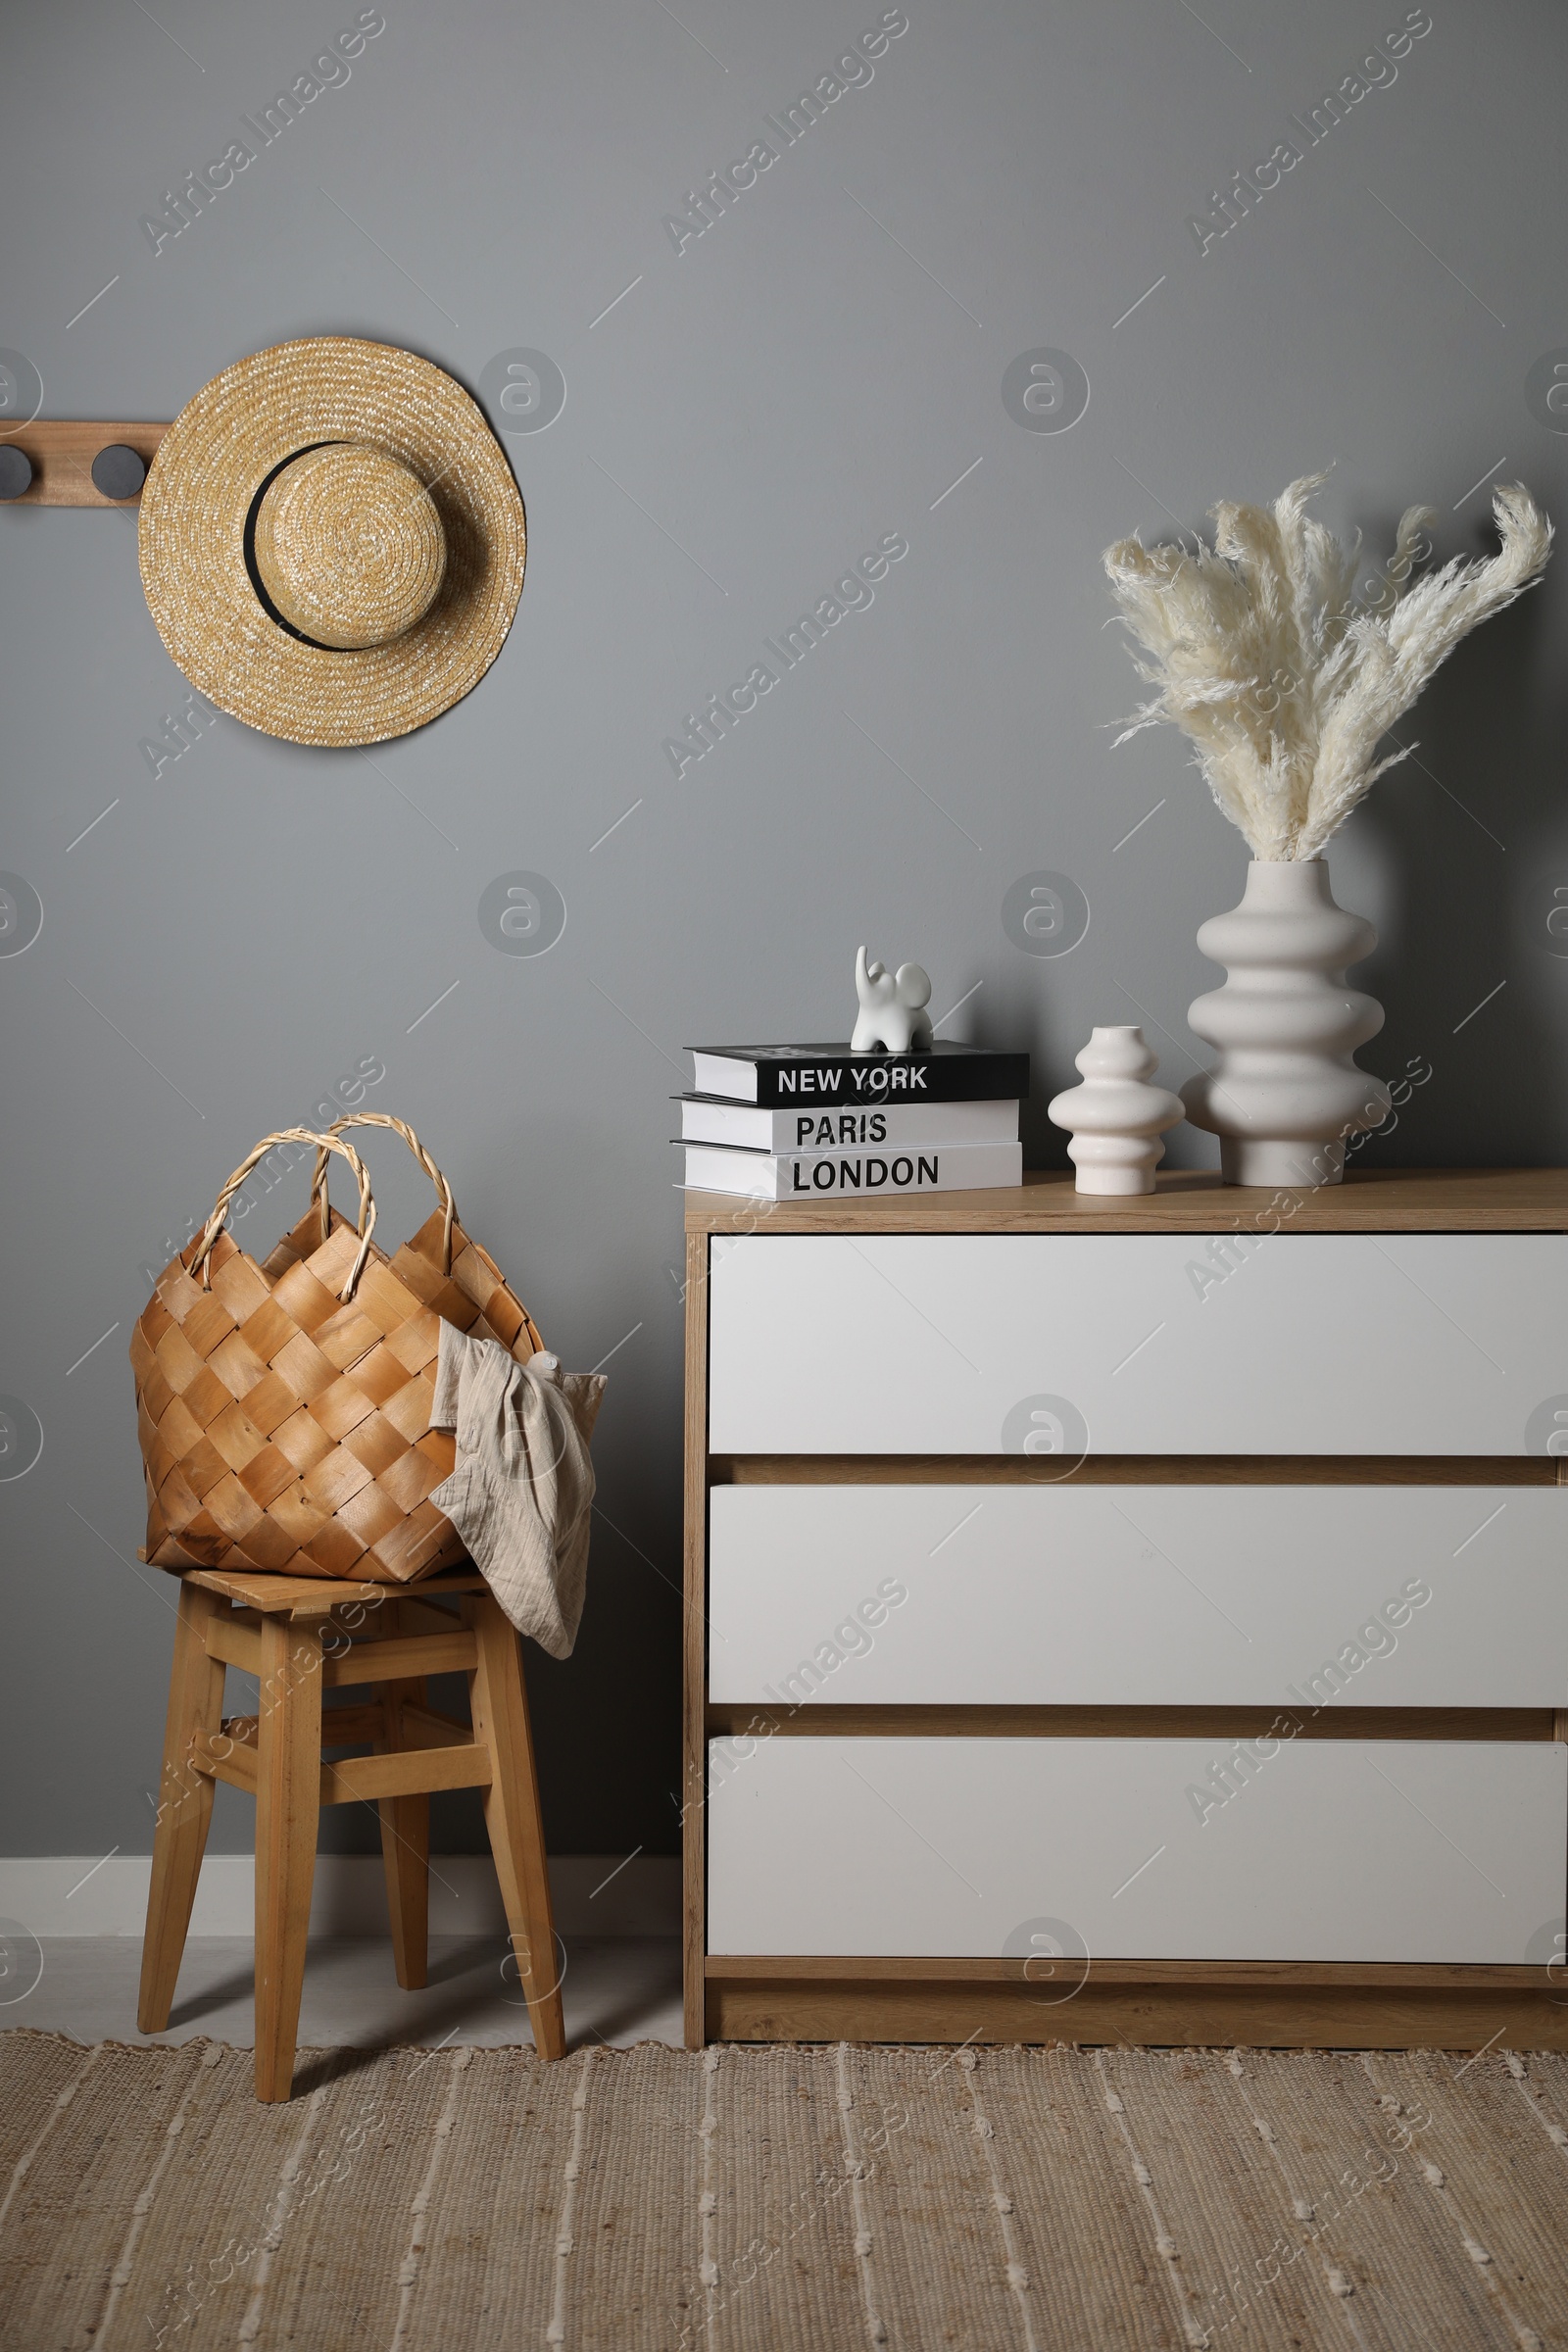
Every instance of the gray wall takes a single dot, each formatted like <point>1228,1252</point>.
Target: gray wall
<point>810,374</point>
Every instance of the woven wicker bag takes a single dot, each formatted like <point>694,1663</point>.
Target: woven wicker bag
<point>284,1407</point>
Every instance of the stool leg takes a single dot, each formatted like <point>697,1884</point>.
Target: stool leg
<point>184,1806</point>
<point>500,1706</point>
<point>406,1852</point>
<point>289,1794</point>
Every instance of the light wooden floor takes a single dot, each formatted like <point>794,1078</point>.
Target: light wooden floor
<point>615,1991</point>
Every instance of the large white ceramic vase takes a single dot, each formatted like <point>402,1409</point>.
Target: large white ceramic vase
<point>1286,1093</point>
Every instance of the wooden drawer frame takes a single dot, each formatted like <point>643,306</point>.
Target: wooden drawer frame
<point>1278,2004</point>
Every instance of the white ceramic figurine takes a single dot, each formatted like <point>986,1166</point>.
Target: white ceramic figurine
<point>892,1007</point>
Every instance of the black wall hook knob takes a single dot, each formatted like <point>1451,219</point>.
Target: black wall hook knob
<point>118,471</point>
<point>15,470</point>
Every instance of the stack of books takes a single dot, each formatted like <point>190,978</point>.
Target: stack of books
<point>797,1122</point>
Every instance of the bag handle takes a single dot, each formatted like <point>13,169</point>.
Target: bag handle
<point>384,1118</point>
<point>201,1262</point>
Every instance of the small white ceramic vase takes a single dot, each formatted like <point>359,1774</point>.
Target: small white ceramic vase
<point>1286,1092</point>
<point>1116,1118</point>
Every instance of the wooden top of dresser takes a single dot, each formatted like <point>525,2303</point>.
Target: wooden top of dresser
<point>1183,1201</point>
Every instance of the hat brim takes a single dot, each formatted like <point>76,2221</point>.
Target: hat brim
<point>222,448</point>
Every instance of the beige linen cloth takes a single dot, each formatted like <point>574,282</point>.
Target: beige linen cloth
<point>523,1487</point>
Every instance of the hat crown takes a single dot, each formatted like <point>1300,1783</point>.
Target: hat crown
<point>349,546</point>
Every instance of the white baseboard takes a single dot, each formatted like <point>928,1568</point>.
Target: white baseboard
<point>69,1894</point>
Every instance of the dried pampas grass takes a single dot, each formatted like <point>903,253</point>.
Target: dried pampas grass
<point>1284,684</point>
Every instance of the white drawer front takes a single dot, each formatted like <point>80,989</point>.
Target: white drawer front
<point>1331,1849</point>
<point>1079,1595</point>
<point>1405,1343</point>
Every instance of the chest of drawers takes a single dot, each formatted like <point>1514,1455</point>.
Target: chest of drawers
<point>1139,1620</point>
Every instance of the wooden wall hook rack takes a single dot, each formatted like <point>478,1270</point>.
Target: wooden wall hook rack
<point>70,462</point>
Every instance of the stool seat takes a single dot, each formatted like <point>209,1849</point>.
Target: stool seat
<point>300,1636</point>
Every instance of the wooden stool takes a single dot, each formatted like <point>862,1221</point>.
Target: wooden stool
<point>299,1634</point>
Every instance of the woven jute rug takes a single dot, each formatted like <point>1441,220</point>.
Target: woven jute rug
<point>651,2200</point>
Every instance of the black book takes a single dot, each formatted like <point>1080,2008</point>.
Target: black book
<point>782,1076</point>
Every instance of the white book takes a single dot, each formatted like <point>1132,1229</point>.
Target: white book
<point>709,1119</point>
<point>851,1174</point>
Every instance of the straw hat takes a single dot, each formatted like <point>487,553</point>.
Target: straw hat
<point>331,541</point>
